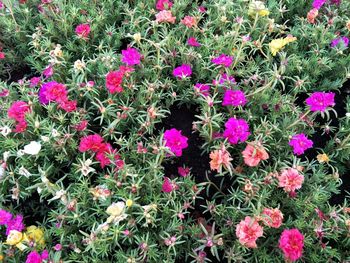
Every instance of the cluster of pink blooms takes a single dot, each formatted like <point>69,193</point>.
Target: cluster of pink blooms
<point>223,60</point>
<point>254,153</point>
<point>192,41</point>
<point>175,141</point>
<point>183,71</point>
<point>340,41</point>
<point>291,243</point>
<point>236,130</point>
<point>300,143</point>
<point>56,92</point>
<point>83,30</point>
<point>96,144</point>
<point>11,222</point>
<point>202,89</point>
<point>319,101</point>
<point>17,112</point>
<point>234,98</point>
<point>317,4</point>
<point>35,257</point>
<point>291,180</point>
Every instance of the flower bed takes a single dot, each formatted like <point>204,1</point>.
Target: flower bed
<point>174,131</point>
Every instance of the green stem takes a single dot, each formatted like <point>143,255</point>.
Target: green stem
<point>298,120</point>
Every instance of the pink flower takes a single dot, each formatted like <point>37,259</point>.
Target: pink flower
<point>220,158</point>
<point>234,98</point>
<point>236,130</point>
<point>272,217</point>
<point>192,41</point>
<point>311,15</point>
<point>34,257</point>
<point>183,171</point>
<point>15,224</point>
<point>57,247</point>
<point>5,217</point>
<point>48,71</point>
<point>18,110</point>
<point>165,16</point>
<point>44,254</point>
<point>223,59</point>
<point>203,89</point>
<point>4,93</point>
<point>114,81</point>
<point>300,143</point>
<point>248,231</point>
<point>189,21</point>
<point>224,78</point>
<point>182,71</point>
<point>81,126</point>
<point>202,9</point>
<point>318,3</point>
<point>163,5</point>
<point>53,91</point>
<point>91,143</point>
<point>291,243</point>
<point>254,153</point>
<point>131,56</point>
<point>2,55</point>
<point>319,101</point>
<point>344,41</point>
<point>83,30</point>
<point>175,141</point>
<point>167,186</point>
<point>34,81</point>
<point>290,180</point>
<point>68,105</point>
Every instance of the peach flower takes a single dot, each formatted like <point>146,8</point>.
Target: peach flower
<point>248,231</point>
<point>311,16</point>
<point>220,158</point>
<point>272,217</point>
<point>254,153</point>
<point>189,21</point>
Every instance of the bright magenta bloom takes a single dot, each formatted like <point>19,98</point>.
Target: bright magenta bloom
<point>131,56</point>
<point>319,101</point>
<point>291,180</point>
<point>175,141</point>
<point>34,257</point>
<point>182,71</point>
<point>300,143</point>
<point>53,91</point>
<point>5,217</point>
<point>318,3</point>
<point>248,231</point>
<point>192,41</point>
<point>203,89</point>
<point>163,5</point>
<point>167,186</point>
<point>91,143</point>
<point>15,224</point>
<point>291,243</point>
<point>83,30</point>
<point>236,130</point>
<point>224,60</point>
<point>234,98</point>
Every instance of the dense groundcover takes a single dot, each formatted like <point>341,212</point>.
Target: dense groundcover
<point>174,131</point>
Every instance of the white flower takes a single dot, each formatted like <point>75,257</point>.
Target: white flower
<point>85,167</point>
<point>347,114</point>
<point>54,133</point>
<point>79,65</point>
<point>2,172</point>
<point>6,155</point>
<point>33,148</point>
<point>44,138</point>
<point>24,171</point>
<point>6,130</point>
<point>20,153</point>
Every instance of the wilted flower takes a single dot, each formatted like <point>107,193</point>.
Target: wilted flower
<point>79,65</point>
<point>291,243</point>
<point>258,7</point>
<point>322,158</point>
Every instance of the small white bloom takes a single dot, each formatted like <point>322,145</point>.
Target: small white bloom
<point>6,155</point>
<point>33,148</point>
<point>23,171</point>
<point>2,172</point>
<point>79,65</point>
<point>347,114</point>
<point>55,133</point>
<point>6,130</point>
<point>20,153</point>
<point>44,138</point>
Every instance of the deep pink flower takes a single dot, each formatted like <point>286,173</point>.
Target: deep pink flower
<point>68,105</point>
<point>192,41</point>
<point>182,71</point>
<point>4,93</point>
<point>91,143</point>
<point>2,6</point>
<point>203,89</point>
<point>340,40</point>
<point>202,9</point>
<point>223,59</point>
<point>5,217</point>
<point>44,254</point>
<point>183,171</point>
<point>318,3</point>
<point>52,91</point>
<point>224,78</point>
<point>83,30</point>
<point>34,257</point>
<point>248,231</point>
<point>163,5</point>
<point>81,126</point>
<point>34,81</point>
<point>291,243</point>
<point>290,179</point>
<point>167,186</point>
<point>48,71</point>
<point>15,224</point>
<point>234,98</point>
<point>175,141</point>
<point>300,143</point>
<point>114,81</point>
<point>18,110</point>
<point>236,130</point>
<point>2,55</point>
<point>131,56</point>
<point>319,101</point>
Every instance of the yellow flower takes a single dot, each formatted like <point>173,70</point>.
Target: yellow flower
<point>258,7</point>
<point>14,237</point>
<point>277,44</point>
<point>36,235</point>
<point>129,202</point>
<point>1,257</point>
<point>323,158</point>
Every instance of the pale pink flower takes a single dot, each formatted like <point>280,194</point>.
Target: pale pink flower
<point>291,180</point>
<point>165,16</point>
<point>189,21</point>
<point>248,231</point>
<point>272,217</point>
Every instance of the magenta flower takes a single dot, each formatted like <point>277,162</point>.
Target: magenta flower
<point>15,224</point>
<point>319,101</point>
<point>175,141</point>
<point>291,243</point>
<point>131,56</point>
<point>234,98</point>
<point>183,171</point>
<point>192,41</point>
<point>52,91</point>
<point>34,257</point>
<point>223,59</point>
<point>163,5</point>
<point>167,186</point>
<point>318,3</point>
<point>48,71</point>
<point>83,30</point>
<point>203,89</point>
<point>182,71</point>
<point>236,130</point>
<point>5,217</point>
<point>34,81</point>
<point>300,143</point>
<point>340,41</point>
<point>225,79</point>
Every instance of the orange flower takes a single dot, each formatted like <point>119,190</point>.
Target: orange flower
<point>254,153</point>
<point>220,158</point>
